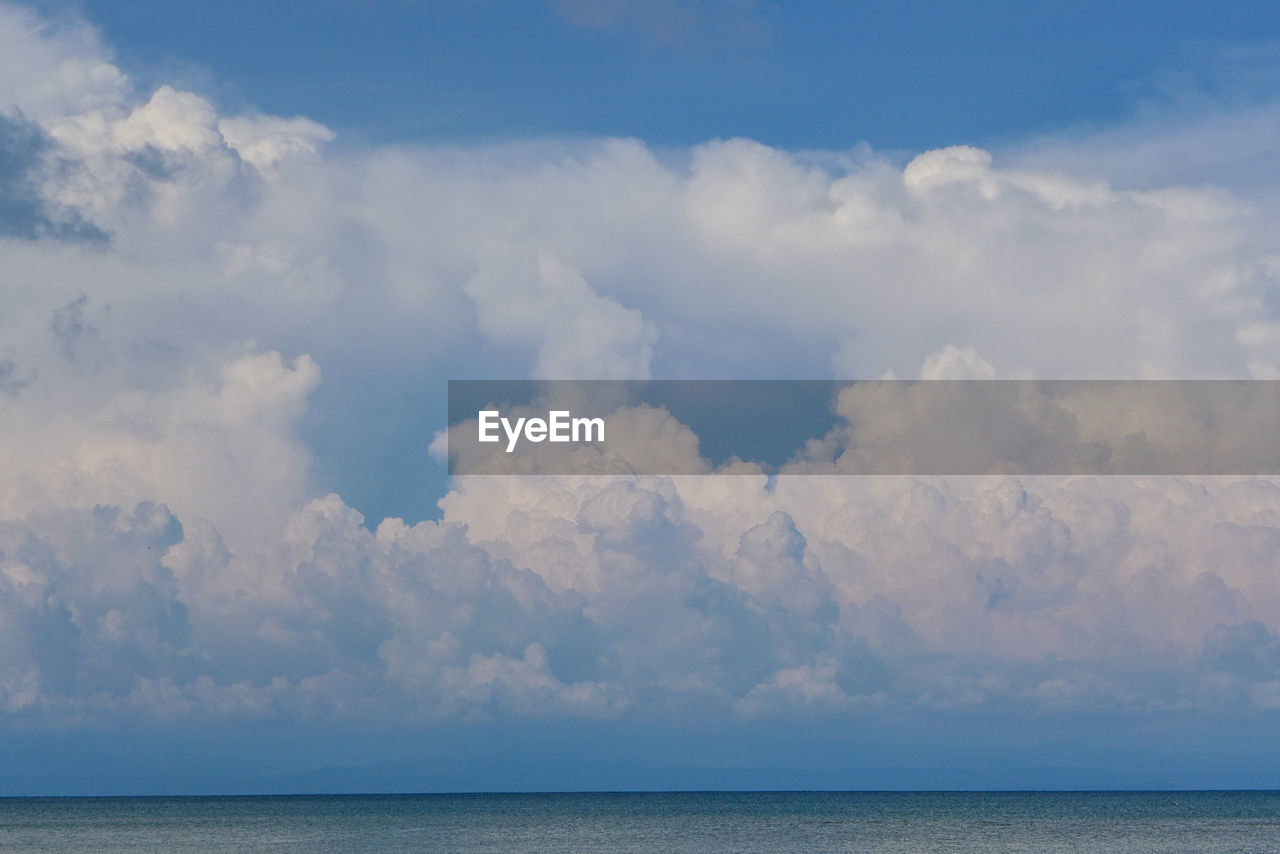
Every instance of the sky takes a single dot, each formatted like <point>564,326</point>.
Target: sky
<point>899,75</point>
<point>245,248</point>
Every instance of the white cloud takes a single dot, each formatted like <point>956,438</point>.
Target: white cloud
<point>577,333</point>
<point>957,363</point>
<point>164,550</point>
<point>221,448</point>
<point>54,68</point>
<point>268,141</point>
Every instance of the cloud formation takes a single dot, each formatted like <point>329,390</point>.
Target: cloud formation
<point>165,552</point>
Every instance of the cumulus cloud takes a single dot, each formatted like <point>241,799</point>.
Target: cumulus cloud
<point>220,448</point>
<point>577,333</point>
<point>55,67</point>
<point>165,550</point>
<point>1064,427</point>
<point>603,597</point>
<point>957,363</point>
<point>606,259</point>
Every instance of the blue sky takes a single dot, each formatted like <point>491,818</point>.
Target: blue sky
<point>898,75</point>
<point>244,249</point>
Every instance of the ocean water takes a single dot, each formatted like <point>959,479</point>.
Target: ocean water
<point>1201,822</point>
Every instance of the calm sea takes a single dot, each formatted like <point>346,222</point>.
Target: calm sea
<point>1199,822</point>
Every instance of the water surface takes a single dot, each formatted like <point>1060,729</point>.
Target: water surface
<point>1202,822</point>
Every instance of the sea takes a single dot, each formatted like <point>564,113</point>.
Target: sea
<point>1200,822</point>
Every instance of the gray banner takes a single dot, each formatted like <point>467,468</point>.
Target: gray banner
<point>962,427</point>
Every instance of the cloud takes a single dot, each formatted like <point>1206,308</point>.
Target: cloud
<point>269,141</point>
<point>55,67</point>
<point>168,553</point>
<point>222,448</point>
<point>603,597</point>
<point>980,427</point>
<point>957,363</point>
<point>24,212</point>
<point>578,334</point>
<point>604,258</point>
